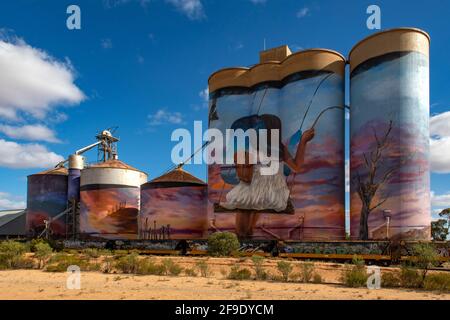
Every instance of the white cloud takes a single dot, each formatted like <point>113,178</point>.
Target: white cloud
<point>29,132</point>
<point>7,201</point>
<point>440,155</point>
<point>106,43</point>
<point>162,116</point>
<point>440,143</point>
<point>204,94</point>
<point>440,125</point>
<point>32,155</point>
<point>193,9</point>
<point>303,12</point>
<point>442,200</point>
<point>33,82</point>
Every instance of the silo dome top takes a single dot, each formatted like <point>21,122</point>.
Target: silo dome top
<point>62,171</point>
<point>177,177</point>
<point>115,164</point>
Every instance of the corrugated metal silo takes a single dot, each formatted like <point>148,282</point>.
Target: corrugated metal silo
<point>301,95</point>
<point>109,200</point>
<point>390,185</point>
<point>174,206</point>
<point>46,197</point>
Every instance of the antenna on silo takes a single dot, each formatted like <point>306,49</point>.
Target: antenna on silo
<point>264,44</point>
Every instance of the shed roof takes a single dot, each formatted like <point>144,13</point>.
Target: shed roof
<point>7,216</point>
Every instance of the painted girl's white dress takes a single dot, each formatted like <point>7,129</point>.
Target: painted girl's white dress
<point>265,192</point>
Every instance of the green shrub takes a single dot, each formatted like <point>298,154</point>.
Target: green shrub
<point>260,273</point>
<point>92,252</point>
<point>237,273</point>
<point>11,255</point>
<point>222,244</point>
<point>410,278</point>
<point>355,276</point>
<point>33,243</point>
<point>285,269</point>
<point>128,263</point>
<point>190,272</point>
<point>203,268</point>
<point>317,278</point>
<point>358,261</point>
<point>306,272</point>
<point>148,267</point>
<point>61,261</point>
<point>437,282</point>
<point>425,257</point>
<point>42,251</point>
<point>171,268</point>
<point>390,280</point>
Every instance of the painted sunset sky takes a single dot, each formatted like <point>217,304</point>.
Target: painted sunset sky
<point>183,208</point>
<point>99,214</point>
<point>390,91</point>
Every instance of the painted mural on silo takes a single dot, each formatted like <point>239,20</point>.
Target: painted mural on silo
<point>173,212</point>
<point>109,212</point>
<point>304,198</point>
<point>46,198</point>
<point>390,183</point>
<point>109,200</point>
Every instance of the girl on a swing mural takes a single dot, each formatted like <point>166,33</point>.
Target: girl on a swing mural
<point>310,154</point>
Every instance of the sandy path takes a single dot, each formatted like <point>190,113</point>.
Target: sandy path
<point>34,284</point>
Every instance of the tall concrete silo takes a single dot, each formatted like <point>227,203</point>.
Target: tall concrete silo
<point>174,206</point>
<point>46,198</point>
<point>301,96</point>
<point>389,120</point>
<point>109,200</point>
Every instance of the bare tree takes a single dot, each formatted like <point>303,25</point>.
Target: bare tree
<point>376,177</point>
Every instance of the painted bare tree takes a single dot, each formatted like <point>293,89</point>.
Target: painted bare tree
<point>368,185</point>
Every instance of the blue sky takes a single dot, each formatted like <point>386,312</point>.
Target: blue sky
<point>143,66</point>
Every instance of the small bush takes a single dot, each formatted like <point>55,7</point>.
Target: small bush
<point>148,267</point>
<point>108,264</point>
<point>42,251</point>
<point>306,272</point>
<point>128,263</point>
<point>317,278</point>
<point>92,252</point>
<point>61,261</point>
<point>285,268</point>
<point>11,254</point>
<point>390,280</point>
<point>190,272</point>
<point>236,273</point>
<point>203,268</point>
<point>35,242</point>
<point>171,268</point>
<point>355,276</point>
<point>425,257</point>
<point>437,282</point>
<point>222,244</point>
<point>260,273</point>
<point>410,278</point>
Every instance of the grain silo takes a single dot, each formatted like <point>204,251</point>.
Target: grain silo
<point>109,200</point>
<point>300,96</point>
<point>46,198</point>
<point>390,185</point>
<point>174,206</point>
